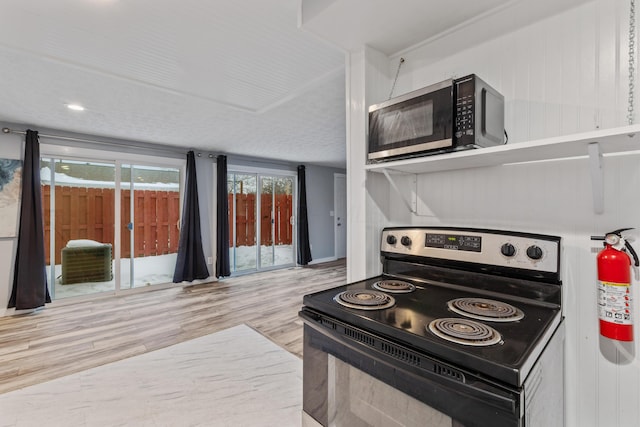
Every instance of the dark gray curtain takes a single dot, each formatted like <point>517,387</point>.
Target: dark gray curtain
<point>222,222</point>
<point>304,248</point>
<point>191,263</point>
<point>30,288</point>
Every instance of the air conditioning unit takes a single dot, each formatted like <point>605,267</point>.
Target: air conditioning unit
<point>82,264</point>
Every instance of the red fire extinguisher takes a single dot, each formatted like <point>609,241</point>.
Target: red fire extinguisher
<point>614,286</point>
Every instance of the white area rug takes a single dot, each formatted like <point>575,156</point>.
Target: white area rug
<point>235,377</point>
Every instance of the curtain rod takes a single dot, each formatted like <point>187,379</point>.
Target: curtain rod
<point>93,141</point>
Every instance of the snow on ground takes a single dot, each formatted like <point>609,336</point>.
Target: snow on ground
<point>155,270</point>
<point>246,256</point>
<point>148,271</point>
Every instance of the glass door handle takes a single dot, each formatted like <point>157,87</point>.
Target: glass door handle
<point>130,226</point>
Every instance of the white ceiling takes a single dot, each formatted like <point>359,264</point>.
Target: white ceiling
<point>392,26</point>
<point>221,76</point>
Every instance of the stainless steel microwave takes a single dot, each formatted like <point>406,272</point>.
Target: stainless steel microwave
<point>452,115</point>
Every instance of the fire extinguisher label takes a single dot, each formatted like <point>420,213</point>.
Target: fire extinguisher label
<point>614,301</point>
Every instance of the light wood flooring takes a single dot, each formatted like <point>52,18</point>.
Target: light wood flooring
<point>63,339</point>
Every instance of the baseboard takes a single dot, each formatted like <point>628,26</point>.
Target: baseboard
<point>89,297</point>
<point>13,312</point>
<point>322,260</point>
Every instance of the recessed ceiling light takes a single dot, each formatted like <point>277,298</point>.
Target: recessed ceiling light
<point>75,107</point>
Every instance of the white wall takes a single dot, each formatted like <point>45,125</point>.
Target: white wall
<point>563,75</point>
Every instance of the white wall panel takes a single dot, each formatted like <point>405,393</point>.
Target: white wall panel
<point>608,65</point>
<point>367,75</point>
<point>569,66</point>
<point>565,75</point>
<point>555,198</point>
<point>378,83</point>
<point>553,75</point>
<point>518,129</point>
<point>586,76</point>
<point>356,177</point>
<point>536,62</point>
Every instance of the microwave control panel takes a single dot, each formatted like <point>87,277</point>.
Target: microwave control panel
<point>464,109</point>
<point>478,113</point>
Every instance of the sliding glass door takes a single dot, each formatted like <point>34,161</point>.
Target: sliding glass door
<point>109,225</point>
<point>276,212</point>
<point>79,225</point>
<point>243,252</point>
<point>260,221</point>
<point>150,215</point>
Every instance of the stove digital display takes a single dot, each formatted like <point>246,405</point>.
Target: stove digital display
<point>454,242</point>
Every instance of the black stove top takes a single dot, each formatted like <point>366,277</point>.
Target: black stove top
<point>407,323</point>
<point>445,264</point>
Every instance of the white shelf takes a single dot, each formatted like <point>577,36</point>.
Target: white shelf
<point>614,140</point>
<point>592,145</point>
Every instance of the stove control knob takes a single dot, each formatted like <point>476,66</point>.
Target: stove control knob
<point>508,250</point>
<point>534,252</point>
<point>405,240</point>
<point>391,239</point>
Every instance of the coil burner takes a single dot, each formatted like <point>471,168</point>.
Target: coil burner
<point>464,331</point>
<point>394,286</point>
<point>485,309</point>
<point>365,300</point>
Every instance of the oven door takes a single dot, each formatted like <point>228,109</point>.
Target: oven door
<point>353,378</point>
<point>413,123</point>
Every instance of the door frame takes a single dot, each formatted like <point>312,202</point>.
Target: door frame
<point>337,176</point>
<point>259,172</point>
<point>117,158</point>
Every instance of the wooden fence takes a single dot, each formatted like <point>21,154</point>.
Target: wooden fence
<point>88,213</point>
<point>245,219</point>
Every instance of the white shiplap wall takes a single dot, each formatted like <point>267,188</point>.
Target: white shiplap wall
<point>563,75</point>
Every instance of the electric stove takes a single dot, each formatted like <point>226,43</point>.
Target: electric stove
<point>468,322</point>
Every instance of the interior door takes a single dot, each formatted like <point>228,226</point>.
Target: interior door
<point>340,214</point>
